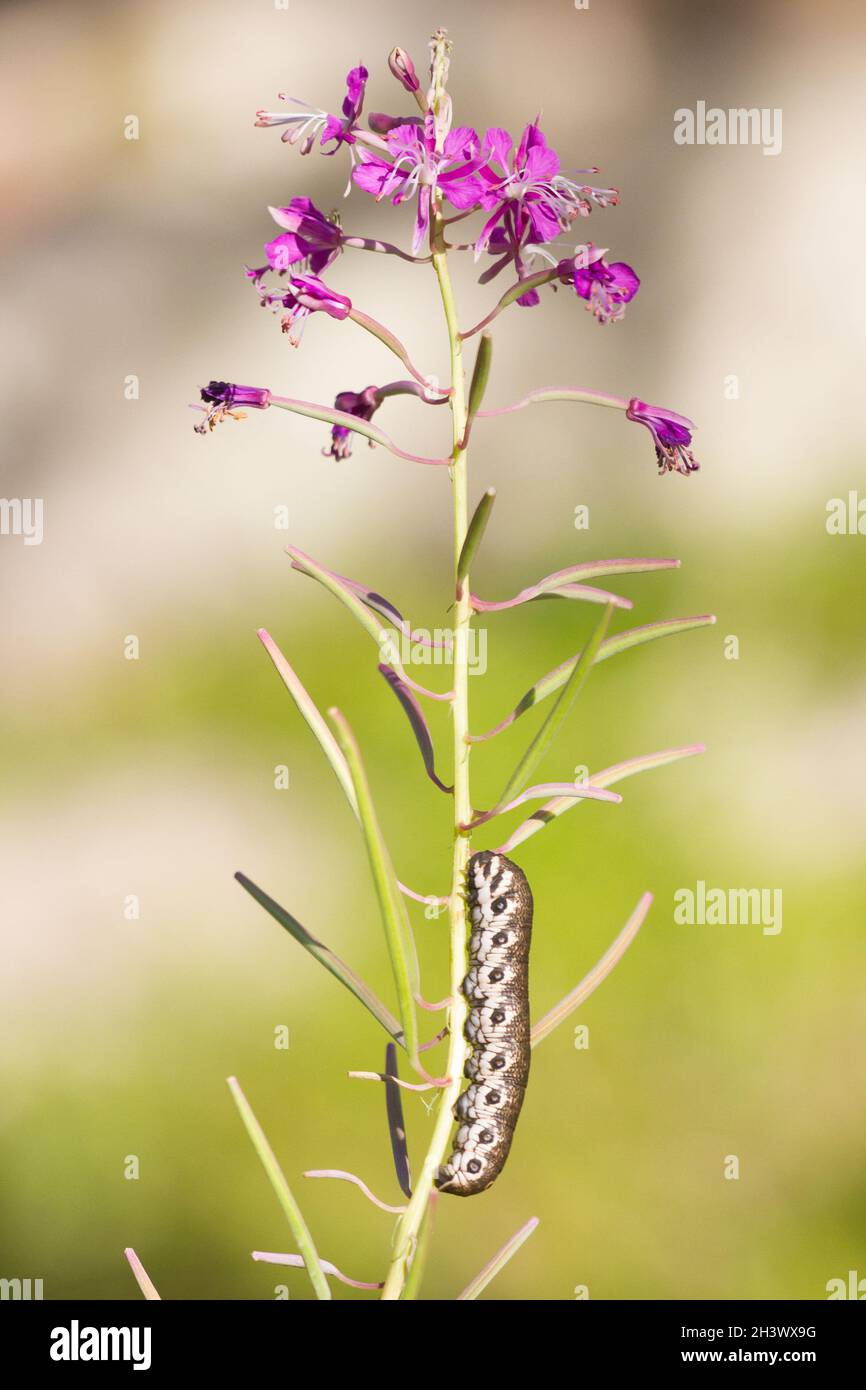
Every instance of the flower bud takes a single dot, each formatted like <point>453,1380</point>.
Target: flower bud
<point>381,123</point>
<point>403,69</point>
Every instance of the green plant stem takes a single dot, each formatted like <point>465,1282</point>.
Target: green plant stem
<point>409,1227</point>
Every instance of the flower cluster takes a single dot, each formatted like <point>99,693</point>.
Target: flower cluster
<point>526,202</point>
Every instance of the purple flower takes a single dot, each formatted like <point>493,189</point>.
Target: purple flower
<point>361,403</point>
<point>417,166</point>
<point>307,295</point>
<point>607,288</point>
<point>672,435</point>
<point>222,399</point>
<point>310,238</point>
<point>340,131</point>
<point>527,191</point>
<point>311,121</point>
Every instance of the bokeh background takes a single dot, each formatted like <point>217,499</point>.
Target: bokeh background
<point>156,777</point>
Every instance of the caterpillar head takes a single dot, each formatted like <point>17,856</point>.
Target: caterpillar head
<point>470,1168</point>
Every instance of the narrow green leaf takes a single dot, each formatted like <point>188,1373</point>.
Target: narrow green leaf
<point>310,713</point>
<point>327,958</point>
<point>336,586</point>
<point>612,646</point>
<point>291,1210</point>
<point>606,778</point>
<point>549,729</point>
<point>600,569</point>
<point>477,527</point>
<point>392,905</point>
<point>602,968</point>
<point>349,597</point>
<point>497,1262</point>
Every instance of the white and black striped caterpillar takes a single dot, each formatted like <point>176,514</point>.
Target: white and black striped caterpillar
<point>499,907</point>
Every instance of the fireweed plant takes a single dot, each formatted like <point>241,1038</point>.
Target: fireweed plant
<point>525,206</point>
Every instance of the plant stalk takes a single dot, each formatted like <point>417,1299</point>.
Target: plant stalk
<point>409,1227</point>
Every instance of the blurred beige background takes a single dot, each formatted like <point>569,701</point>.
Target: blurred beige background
<point>155,777</point>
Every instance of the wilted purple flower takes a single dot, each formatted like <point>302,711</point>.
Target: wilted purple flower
<point>672,435</point>
<point>222,398</point>
<point>607,288</point>
<point>306,124</point>
<point>417,166</point>
<point>361,403</point>
<point>309,238</point>
<point>307,295</point>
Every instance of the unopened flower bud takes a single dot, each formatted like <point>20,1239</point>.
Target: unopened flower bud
<point>380,123</point>
<point>403,69</point>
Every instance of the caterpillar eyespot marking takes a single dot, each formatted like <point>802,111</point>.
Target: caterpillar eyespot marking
<point>499,913</point>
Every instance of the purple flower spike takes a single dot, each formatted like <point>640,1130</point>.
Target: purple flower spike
<point>222,399</point>
<point>309,240</point>
<point>672,435</point>
<point>606,288</point>
<point>364,404</point>
<point>340,131</point>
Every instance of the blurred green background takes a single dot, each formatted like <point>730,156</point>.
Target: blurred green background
<point>156,777</point>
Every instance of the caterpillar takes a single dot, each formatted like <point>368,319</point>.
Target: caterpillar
<point>499,907</point>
